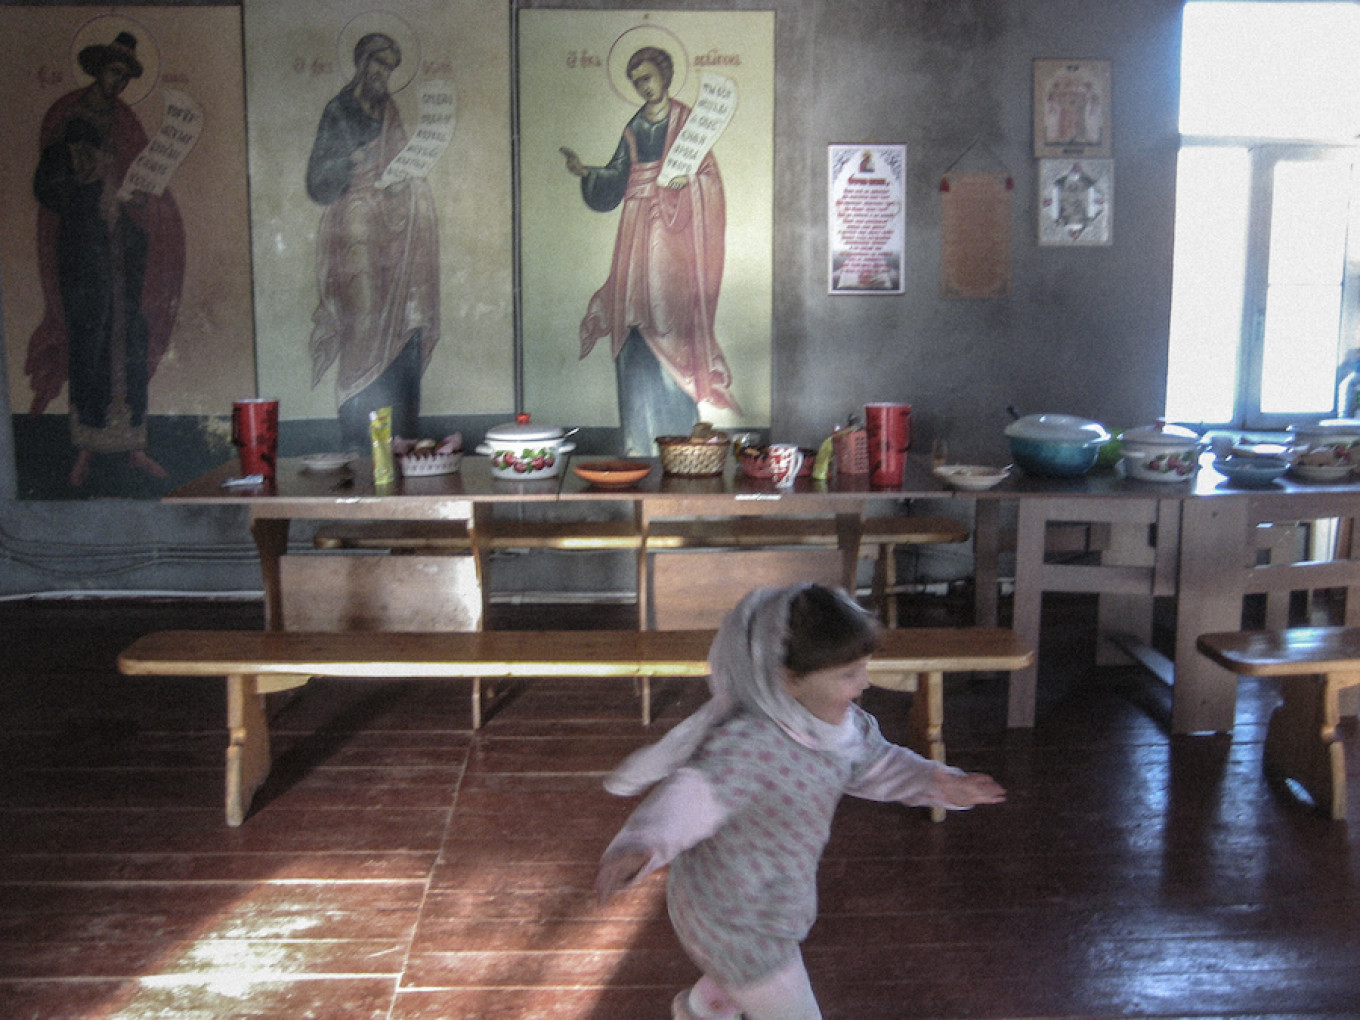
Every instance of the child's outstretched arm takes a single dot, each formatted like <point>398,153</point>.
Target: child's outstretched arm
<point>961,790</point>
<point>677,814</point>
<point>898,773</point>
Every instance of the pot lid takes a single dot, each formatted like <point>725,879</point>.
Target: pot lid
<point>1328,427</point>
<point>1061,428</point>
<point>520,431</point>
<point>1161,434</point>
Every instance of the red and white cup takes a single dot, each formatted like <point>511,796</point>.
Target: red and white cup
<point>889,430</point>
<point>255,432</point>
<point>785,460</point>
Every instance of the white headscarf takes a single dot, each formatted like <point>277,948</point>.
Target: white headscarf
<point>746,664</point>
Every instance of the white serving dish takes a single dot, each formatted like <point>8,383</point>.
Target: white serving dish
<point>973,477</point>
<point>1327,451</point>
<point>1160,453</point>
<point>321,462</point>
<point>523,452</point>
<point>1321,472</point>
<point>1251,472</point>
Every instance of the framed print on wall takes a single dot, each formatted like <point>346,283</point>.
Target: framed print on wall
<point>1071,108</point>
<point>1076,201</point>
<point>866,208</point>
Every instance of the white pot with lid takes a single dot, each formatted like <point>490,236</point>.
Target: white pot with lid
<point>1332,441</point>
<point>1160,452</point>
<point>522,452</point>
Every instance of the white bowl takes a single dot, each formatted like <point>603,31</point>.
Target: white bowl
<point>328,461</point>
<point>1321,472</point>
<point>1160,453</point>
<point>415,465</point>
<point>974,477</point>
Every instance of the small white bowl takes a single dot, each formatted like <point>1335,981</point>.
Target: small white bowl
<point>416,465</point>
<point>974,477</point>
<point>328,461</point>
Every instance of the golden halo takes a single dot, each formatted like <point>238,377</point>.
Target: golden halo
<point>388,24</point>
<point>633,40</point>
<point>102,30</point>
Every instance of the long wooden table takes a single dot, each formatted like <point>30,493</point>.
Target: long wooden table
<point>1197,541</point>
<point>471,496</point>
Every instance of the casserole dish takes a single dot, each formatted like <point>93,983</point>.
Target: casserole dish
<point>523,452</point>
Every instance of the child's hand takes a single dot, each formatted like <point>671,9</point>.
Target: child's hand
<point>963,791</point>
<point>617,869</point>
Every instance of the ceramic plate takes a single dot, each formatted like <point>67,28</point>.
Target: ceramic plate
<point>613,473</point>
<point>328,461</point>
<point>971,476</point>
<point>1321,472</point>
<point>1251,472</point>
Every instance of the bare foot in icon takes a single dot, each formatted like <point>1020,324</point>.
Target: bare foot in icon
<point>81,469</point>
<point>143,462</point>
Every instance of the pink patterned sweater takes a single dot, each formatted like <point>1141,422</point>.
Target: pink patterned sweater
<point>743,825</point>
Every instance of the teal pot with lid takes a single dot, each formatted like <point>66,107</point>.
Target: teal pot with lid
<point>1056,445</point>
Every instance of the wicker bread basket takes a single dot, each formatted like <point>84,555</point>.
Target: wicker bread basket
<point>703,452</point>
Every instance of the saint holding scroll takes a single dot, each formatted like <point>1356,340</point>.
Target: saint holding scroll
<point>659,303</point>
<point>377,259</point>
<point>112,265</point>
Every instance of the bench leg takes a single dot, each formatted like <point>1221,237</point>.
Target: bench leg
<point>646,692</point>
<point>926,723</point>
<point>1302,742</point>
<point>248,757</point>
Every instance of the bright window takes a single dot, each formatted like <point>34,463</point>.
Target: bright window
<point>1265,278</point>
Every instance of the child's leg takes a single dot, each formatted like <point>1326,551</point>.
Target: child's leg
<point>784,995</point>
<point>705,1001</point>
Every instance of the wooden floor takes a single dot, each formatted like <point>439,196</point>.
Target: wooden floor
<point>399,866</point>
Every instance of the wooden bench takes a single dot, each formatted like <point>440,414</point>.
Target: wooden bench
<point>1313,665</point>
<point>258,662</point>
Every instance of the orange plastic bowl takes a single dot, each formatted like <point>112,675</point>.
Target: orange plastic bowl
<point>612,472</point>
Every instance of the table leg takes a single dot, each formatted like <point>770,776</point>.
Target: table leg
<point>271,541</point>
<point>1029,593</point>
<point>481,527</point>
<point>1214,535</point>
<point>849,527</point>
<point>986,550</point>
<point>641,522</point>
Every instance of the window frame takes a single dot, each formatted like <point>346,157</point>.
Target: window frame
<point>1263,155</point>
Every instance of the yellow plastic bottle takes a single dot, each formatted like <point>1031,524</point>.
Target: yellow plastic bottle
<point>380,435</point>
<point>821,465</point>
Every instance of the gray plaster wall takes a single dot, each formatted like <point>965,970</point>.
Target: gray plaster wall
<point>1084,331</point>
